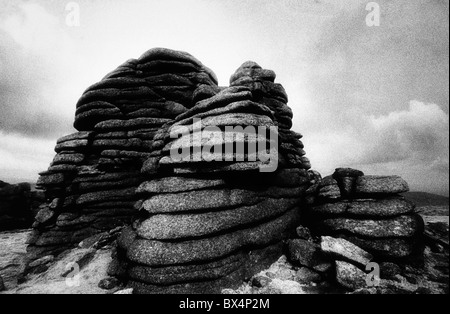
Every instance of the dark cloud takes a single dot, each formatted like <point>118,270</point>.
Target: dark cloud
<point>24,81</point>
<point>362,82</point>
<point>412,143</point>
<point>356,69</point>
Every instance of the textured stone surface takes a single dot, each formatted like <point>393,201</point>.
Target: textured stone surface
<point>370,212</point>
<point>381,208</point>
<point>205,287</point>
<point>231,167</point>
<point>44,215</point>
<point>200,200</point>
<point>349,276</point>
<point>389,207</point>
<point>216,137</point>
<point>155,253</point>
<point>381,185</point>
<point>196,225</point>
<point>304,233</point>
<point>305,275</point>
<point>403,226</point>
<point>118,170</point>
<point>195,272</point>
<point>329,189</point>
<point>177,184</point>
<point>260,281</point>
<point>345,250</point>
<point>130,124</point>
<point>304,253</point>
<point>234,107</point>
<point>222,99</point>
<point>212,199</point>
<point>12,256</point>
<point>388,248</point>
<point>258,260</point>
<point>330,209</point>
<point>108,283</point>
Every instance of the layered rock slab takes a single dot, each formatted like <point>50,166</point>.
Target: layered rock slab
<point>92,180</point>
<point>370,212</point>
<point>217,218</point>
<point>215,210</point>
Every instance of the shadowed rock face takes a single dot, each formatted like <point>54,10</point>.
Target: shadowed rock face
<point>202,222</point>
<point>16,206</point>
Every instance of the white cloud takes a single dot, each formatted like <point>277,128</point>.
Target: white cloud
<point>420,133</point>
<point>22,158</point>
<point>413,143</point>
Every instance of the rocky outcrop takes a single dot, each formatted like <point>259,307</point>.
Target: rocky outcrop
<point>369,212</point>
<point>204,209</point>
<point>208,182</point>
<point>91,184</point>
<point>212,214</point>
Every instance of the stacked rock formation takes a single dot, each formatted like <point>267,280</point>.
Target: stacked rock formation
<point>369,212</point>
<point>15,206</point>
<point>91,183</point>
<point>211,214</point>
<point>199,225</point>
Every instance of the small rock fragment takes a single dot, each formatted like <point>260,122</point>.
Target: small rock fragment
<point>260,281</point>
<point>350,276</point>
<point>108,283</point>
<point>345,250</point>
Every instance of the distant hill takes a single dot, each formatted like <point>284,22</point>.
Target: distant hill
<point>426,199</point>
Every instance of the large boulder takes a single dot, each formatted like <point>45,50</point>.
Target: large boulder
<point>370,212</point>
<point>153,151</point>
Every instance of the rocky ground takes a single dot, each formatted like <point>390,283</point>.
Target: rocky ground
<point>12,254</point>
<point>60,276</point>
<point>428,277</point>
<point>77,271</point>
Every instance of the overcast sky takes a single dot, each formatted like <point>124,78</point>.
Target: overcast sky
<point>373,98</point>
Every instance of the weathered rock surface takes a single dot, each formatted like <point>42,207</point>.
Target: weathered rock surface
<point>389,207</point>
<point>350,276</point>
<point>209,211</point>
<point>329,189</point>
<point>97,170</point>
<point>12,256</point>
<point>304,253</point>
<point>162,227</point>
<point>282,277</point>
<point>381,185</point>
<point>223,199</point>
<point>345,250</point>
<point>154,253</point>
<point>369,212</point>
<point>403,226</point>
<point>177,184</point>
